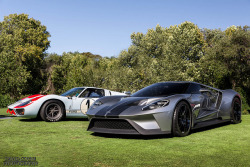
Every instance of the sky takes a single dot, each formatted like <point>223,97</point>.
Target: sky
<point>104,27</point>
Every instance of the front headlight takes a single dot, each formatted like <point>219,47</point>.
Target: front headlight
<point>156,104</point>
<point>96,104</point>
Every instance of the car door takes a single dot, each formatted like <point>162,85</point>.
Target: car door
<point>81,103</point>
<point>91,95</point>
<point>195,100</point>
<point>74,110</point>
<point>208,104</point>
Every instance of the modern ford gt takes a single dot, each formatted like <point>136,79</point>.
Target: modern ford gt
<point>165,108</point>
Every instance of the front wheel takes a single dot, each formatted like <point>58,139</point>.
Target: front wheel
<point>236,111</point>
<point>182,119</point>
<point>52,111</point>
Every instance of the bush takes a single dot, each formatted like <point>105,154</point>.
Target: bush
<point>5,100</point>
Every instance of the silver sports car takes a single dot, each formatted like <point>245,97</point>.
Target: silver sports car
<point>164,108</point>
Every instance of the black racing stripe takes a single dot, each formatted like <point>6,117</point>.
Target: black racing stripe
<point>117,110</point>
<point>102,112</point>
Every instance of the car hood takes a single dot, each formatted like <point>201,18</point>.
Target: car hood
<point>118,105</point>
<point>26,99</point>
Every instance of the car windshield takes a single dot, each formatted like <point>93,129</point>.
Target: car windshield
<point>73,92</point>
<point>162,89</point>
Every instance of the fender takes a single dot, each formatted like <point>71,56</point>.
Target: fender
<point>225,108</point>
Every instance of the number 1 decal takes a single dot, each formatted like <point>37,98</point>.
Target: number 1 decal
<point>86,103</point>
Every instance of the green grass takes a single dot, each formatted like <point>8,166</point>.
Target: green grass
<point>67,143</point>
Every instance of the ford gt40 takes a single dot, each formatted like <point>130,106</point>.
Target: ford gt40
<point>73,103</point>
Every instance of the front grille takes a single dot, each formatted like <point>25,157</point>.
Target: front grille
<point>20,111</point>
<point>111,124</point>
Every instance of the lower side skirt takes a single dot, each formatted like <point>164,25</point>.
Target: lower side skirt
<point>209,123</point>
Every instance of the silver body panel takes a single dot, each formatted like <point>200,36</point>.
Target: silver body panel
<point>129,110</point>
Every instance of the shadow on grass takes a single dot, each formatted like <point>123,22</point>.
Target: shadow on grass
<point>65,119</point>
<point>75,119</point>
<point>210,127</point>
<point>142,137</point>
<point>6,117</point>
<point>30,120</point>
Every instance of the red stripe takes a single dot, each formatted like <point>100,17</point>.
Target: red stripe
<point>12,112</point>
<point>32,100</point>
<point>35,99</point>
<point>32,96</point>
<point>23,106</point>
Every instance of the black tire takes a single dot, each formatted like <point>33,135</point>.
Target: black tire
<point>182,119</point>
<point>52,111</point>
<point>236,111</point>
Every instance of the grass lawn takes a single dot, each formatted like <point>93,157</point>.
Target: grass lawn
<point>67,143</point>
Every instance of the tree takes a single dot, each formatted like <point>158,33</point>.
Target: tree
<point>226,63</point>
<point>13,77</point>
<point>50,61</point>
<point>163,54</point>
<point>186,40</point>
<point>25,40</point>
<point>227,58</point>
<point>75,69</point>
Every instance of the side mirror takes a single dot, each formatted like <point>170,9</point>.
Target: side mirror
<point>127,93</point>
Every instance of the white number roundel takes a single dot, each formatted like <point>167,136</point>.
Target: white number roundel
<point>86,103</point>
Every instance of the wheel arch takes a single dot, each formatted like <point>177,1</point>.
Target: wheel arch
<point>64,110</point>
<point>185,100</point>
<point>226,103</point>
<point>180,100</point>
<point>173,128</point>
<point>238,96</point>
<point>236,119</point>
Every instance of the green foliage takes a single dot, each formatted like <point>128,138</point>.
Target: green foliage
<point>5,100</point>
<point>184,52</point>
<point>74,69</point>
<point>23,43</point>
<point>176,53</point>
<point>186,41</point>
<point>226,62</point>
<point>13,77</point>
<point>162,54</point>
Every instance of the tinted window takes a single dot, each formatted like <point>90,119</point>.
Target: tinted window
<point>162,89</point>
<point>92,93</point>
<point>194,88</point>
<point>73,92</point>
<point>85,93</point>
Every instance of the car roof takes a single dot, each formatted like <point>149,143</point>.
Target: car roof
<point>88,87</point>
<point>190,82</point>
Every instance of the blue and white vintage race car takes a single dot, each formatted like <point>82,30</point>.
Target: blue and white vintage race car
<point>52,108</point>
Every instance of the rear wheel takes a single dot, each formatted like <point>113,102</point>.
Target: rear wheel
<point>52,111</point>
<point>236,111</point>
<point>182,119</point>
